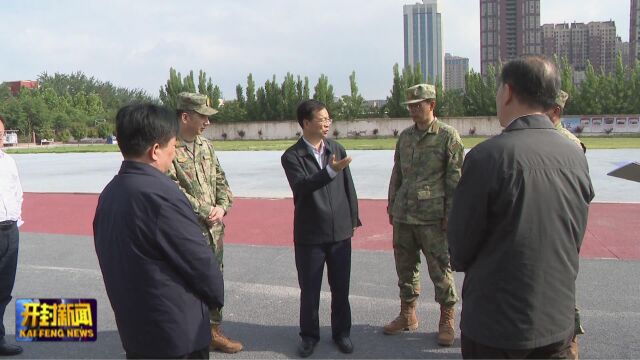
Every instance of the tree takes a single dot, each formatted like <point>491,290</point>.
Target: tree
<point>35,115</point>
<point>78,131</point>
<point>231,111</point>
<point>112,97</point>
<point>252,104</point>
<point>290,97</point>
<point>448,102</point>
<point>302,89</point>
<point>566,76</point>
<point>174,86</point>
<point>395,107</point>
<point>274,102</point>
<point>480,94</point>
<point>104,129</point>
<point>324,94</point>
<point>589,95</point>
<point>240,96</point>
<point>353,103</point>
<point>206,87</point>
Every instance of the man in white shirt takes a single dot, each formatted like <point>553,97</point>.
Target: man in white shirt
<point>10,210</point>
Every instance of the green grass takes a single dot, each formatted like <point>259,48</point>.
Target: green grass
<point>60,149</point>
<point>592,142</point>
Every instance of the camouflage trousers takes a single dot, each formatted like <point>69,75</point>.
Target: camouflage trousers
<point>408,242</point>
<point>216,242</point>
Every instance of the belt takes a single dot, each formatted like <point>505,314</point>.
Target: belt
<point>7,223</point>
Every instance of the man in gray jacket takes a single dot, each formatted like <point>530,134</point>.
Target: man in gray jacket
<point>516,226</point>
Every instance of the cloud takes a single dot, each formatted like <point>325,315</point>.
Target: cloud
<point>134,43</point>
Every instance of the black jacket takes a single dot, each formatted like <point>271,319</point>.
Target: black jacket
<point>516,226</point>
<point>326,209</point>
<point>158,270</point>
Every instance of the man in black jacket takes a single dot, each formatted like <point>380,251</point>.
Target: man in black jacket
<point>160,276</point>
<point>325,216</point>
<point>517,223</point>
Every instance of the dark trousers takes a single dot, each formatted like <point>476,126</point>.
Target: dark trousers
<point>198,354</point>
<point>9,237</point>
<point>474,350</point>
<point>310,260</point>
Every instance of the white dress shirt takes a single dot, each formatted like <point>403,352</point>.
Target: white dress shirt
<point>319,155</point>
<point>10,190</point>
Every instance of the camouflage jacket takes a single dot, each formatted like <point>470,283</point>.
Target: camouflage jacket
<point>201,178</point>
<point>426,171</point>
<point>569,135</point>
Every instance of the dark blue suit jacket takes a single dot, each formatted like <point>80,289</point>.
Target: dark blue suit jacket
<point>326,209</point>
<point>159,272</point>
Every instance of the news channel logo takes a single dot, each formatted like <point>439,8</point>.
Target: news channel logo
<point>56,320</point>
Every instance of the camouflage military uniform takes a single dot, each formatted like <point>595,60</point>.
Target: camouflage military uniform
<point>199,175</point>
<point>425,174</point>
<point>561,100</point>
<point>566,133</point>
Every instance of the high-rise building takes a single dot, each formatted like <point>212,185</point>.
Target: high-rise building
<point>423,39</point>
<point>634,32</point>
<point>508,29</point>
<point>456,68</point>
<point>595,42</point>
<point>622,48</point>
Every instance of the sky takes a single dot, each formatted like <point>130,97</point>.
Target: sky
<point>134,43</point>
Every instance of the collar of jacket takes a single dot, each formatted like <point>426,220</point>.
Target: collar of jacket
<point>535,121</point>
<point>303,149</point>
<point>434,128</point>
<point>140,168</point>
<point>181,143</point>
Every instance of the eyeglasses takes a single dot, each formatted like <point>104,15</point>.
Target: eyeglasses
<point>326,121</point>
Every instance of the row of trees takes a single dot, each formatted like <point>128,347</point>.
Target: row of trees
<point>598,93</point>
<point>76,105</point>
<point>66,105</point>
<point>272,101</point>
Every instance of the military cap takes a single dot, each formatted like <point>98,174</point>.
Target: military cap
<point>419,93</point>
<point>561,99</point>
<point>195,102</point>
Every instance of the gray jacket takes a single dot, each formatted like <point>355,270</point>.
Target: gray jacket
<point>516,226</point>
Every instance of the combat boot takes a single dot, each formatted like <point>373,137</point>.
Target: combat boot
<point>406,320</point>
<point>222,343</point>
<point>573,348</point>
<point>446,333</point>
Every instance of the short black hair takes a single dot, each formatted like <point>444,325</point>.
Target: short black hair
<point>534,80</point>
<point>307,108</point>
<point>140,126</point>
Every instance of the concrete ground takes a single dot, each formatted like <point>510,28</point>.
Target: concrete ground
<point>262,303</point>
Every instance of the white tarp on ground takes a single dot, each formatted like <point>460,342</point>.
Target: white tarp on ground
<point>259,173</point>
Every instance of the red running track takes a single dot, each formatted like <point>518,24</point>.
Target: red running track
<point>613,230</point>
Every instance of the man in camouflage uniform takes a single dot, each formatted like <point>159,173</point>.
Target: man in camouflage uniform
<point>555,115</point>
<point>426,170</point>
<point>197,172</point>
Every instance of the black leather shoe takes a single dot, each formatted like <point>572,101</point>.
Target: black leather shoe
<point>306,347</point>
<point>344,344</point>
<point>9,350</point>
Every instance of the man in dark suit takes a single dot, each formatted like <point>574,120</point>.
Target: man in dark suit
<point>160,276</point>
<point>517,223</point>
<point>325,217</point>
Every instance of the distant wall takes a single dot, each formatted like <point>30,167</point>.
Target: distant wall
<point>273,130</point>
<point>483,125</point>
